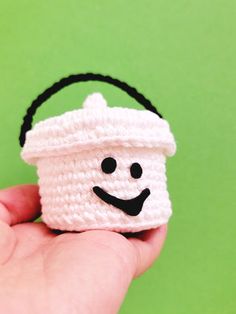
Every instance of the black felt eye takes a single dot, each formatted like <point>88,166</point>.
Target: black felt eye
<point>108,165</point>
<point>136,170</point>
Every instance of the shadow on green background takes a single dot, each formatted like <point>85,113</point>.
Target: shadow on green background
<point>181,55</point>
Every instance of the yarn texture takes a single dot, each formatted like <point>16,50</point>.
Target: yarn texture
<point>68,151</point>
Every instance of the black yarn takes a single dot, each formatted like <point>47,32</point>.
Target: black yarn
<point>108,165</point>
<point>75,78</point>
<point>131,207</point>
<point>136,170</point>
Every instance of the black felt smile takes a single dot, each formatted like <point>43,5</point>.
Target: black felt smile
<point>131,207</point>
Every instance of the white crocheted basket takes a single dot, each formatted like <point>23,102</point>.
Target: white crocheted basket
<point>102,168</point>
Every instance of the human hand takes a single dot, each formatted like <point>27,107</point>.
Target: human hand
<point>45,272</point>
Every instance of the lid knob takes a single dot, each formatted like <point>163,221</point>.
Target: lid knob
<point>95,101</point>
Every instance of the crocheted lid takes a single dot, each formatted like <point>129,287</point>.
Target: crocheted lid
<point>97,125</point>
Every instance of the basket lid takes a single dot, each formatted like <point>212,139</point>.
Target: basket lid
<point>96,125</point>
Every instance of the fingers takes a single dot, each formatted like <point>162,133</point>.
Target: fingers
<point>7,242</point>
<point>148,245</point>
<point>19,204</point>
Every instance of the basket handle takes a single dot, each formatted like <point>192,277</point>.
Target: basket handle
<point>75,78</point>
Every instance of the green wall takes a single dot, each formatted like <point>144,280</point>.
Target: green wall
<point>180,54</point>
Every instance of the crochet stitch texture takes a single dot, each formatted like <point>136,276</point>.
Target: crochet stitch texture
<point>68,151</point>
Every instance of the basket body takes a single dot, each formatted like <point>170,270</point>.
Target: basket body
<point>69,203</point>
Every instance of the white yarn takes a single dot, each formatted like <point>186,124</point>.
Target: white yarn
<point>68,151</point>
<point>95,101</point>
<point>97,125</point>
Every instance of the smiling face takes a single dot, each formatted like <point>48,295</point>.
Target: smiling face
<point>131,206</point>
<point>119,189</point>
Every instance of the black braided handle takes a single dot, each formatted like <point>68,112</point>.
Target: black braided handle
<point>75,78</point>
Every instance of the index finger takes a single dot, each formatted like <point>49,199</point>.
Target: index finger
<point>19,204</point>
<point>148,246</point>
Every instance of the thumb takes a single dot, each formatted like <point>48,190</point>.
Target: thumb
<point>19,204</point>
<point>7,242</point>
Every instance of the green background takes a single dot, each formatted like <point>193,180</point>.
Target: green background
<point>181,55</point>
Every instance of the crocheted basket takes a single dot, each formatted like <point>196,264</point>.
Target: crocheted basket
<point>100,167</point>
